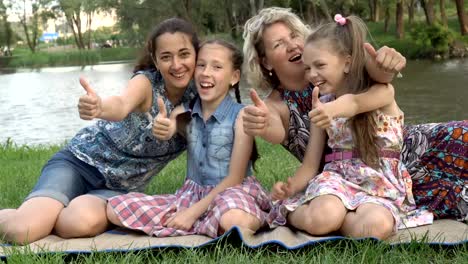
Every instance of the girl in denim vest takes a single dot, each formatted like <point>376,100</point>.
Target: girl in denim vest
<point>364,189</point>
<point>219,191</point>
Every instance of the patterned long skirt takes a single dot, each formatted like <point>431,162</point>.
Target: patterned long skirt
<point>148,213</point>
<point>436,156</point>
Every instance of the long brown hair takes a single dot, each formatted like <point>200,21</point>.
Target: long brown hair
<point>237,59</point>
<point>349,39</point>
<point>171,25</point>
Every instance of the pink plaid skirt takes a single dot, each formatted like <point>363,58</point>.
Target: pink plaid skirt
<point>146,213</point>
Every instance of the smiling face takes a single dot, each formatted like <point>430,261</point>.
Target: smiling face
<point>214,73</point>
<point>175,59</point>
<point>325,68</point>
<point>283,52</point>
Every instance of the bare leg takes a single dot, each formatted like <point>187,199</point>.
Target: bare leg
<point>112,216</point>
<point>321,216</point>
<point>369,220</point>
<point>85,216</point>
<point>240,218</point>
<point>33,220</point>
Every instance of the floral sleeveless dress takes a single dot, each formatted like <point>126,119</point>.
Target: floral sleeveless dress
<point>355,183</point>
<point>435,154</point>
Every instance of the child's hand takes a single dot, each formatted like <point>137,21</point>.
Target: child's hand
<point>321,114</point>
<point>282,190</point>
<point>163,127</point>
<point>90,104</point>
<point>388,59</point>
<point>256,116</point>
<point>182,220</point>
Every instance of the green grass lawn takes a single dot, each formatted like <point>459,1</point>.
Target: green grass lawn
<point>20,167</point>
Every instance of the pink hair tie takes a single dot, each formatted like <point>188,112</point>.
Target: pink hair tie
<point>340,20</point>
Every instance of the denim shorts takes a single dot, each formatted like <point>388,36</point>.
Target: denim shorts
<point>65,177</point>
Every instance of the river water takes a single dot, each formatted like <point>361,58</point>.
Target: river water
<point>39,106</point>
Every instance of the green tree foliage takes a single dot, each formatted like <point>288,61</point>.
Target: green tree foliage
<point>31,14</point>
<point>77,13</point>
<point>6,33</point>
<point>432,40</point>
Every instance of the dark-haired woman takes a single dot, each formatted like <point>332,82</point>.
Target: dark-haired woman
<point>116,155</point>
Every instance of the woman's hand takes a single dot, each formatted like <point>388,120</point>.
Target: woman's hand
<point>256,116</point>
<point>90,104</point>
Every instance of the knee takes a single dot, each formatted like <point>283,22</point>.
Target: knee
<point>378,226</point>
<point>112,216</point>
<point>323,219</point>
<point>240,218</point>
<point>18,231</point>
<point>79,222</point>
<point>14,233</point>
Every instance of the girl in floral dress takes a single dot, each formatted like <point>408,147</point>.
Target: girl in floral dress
<point>364,189</point>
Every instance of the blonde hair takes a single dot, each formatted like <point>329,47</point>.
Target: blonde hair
<point>349,39</point>
<point>257,76</point>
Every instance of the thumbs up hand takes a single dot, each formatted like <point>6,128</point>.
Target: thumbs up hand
<point>387,59</point>
<point>90,104</point>
<point>164,127</point>
<point>321,114</point>
<point>256,116</point>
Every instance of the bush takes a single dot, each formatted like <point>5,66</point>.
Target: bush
<point>432,40</point>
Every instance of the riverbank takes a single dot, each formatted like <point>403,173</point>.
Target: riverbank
<point>20,166</point>
<point>419,42</point>
<point>71,57</point>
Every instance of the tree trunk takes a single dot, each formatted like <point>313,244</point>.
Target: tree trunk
<point>374,8</point>
<point>301,11</point>
<point>75,36</point>
<point>88,25</point>
<point>260,5</point>
<point>443,16</point>
<point>23,21</point>
<point>387,19</point>
<point>370,3</point>
<point>187,5</point>
<point>253,8</point>
<point>377,10</point>
<point>428,6</point>
<point>8,35</point>
<point>310,13</point>
<point>411,4</point>
<point>230,21</point>
<point>77,21</point>
<point>462,17</point>
<point>400,29</point>
<point>325,10</point>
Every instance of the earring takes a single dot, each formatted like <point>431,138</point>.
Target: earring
<point>269,73</point>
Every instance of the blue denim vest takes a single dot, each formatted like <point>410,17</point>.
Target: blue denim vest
<point>210,144</point>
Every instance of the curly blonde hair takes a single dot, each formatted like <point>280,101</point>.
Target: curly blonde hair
<point>257,76</point>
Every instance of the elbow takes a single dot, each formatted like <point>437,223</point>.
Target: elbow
<point>390,90</point>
